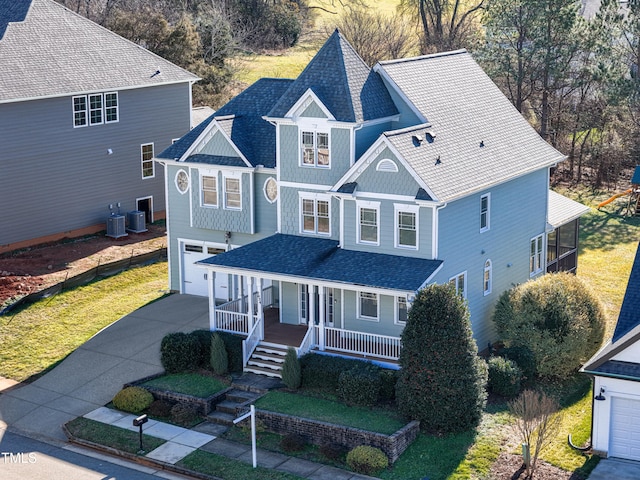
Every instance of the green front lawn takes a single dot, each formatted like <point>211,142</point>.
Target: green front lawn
<point>194,384</point>
<point>375,420</point>
<point>115,437</point>
<point>43,334</point>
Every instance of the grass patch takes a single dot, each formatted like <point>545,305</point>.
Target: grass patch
<point>194,384</point>
<point>375,420</point>
<point>44,333</point>
<point>110,436</point>
<point>210,463</point>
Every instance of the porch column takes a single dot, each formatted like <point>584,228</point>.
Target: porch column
<point>260,308</point>
<point>311,314</point>
<point>249,293</point>
<point>321,338</point>
<point>211,287</point>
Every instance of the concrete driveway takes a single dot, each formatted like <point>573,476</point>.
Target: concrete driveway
<point>616,469</point>
<point>126,350</point>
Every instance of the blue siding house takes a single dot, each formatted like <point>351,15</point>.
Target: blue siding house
<point>82,114</point>
<point>311,211</point>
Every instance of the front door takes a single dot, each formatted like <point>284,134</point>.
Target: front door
<point>305,305</point>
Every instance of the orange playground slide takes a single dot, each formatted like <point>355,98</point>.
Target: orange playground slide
<point>608,201</point>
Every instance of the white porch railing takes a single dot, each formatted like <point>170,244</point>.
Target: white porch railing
<point>307,342</point>
<point>360,343</point>
<point>232,316</point>
<point>250,343</point>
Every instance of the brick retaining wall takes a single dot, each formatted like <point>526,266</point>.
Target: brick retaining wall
<point>322,432</point>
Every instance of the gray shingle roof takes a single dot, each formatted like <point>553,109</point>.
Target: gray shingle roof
<point>54,52</point>
<point>481,139</point>
<point>322,259</point>
<point>343,82</point>
<point>617,369</point>
<point>216,160</point>
<point>562,210</point>
<point>627,331</point>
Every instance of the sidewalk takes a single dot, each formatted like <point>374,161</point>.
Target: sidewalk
<point>181,442</point>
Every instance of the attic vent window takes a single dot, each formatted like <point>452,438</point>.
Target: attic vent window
<point>386,165</point>
<point>417,140</point>
<point>430,136</point>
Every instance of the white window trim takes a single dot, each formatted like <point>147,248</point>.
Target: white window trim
<point>359,307</point>
<point>314,197</point>
<point>142,161</point>
<point>396,319</point>
<point>488,268</point>
<point>117,107</point>
<point>373,206</point>
<point>101,109</point>
<point>235,176</point>
<point>264,190</point>
<point>302,286</point>
<point>454,279</point>
<point>538,255</point>
<point>214,174</point>
<point>86,111</point>
<point>488,226</point>
<point>305,129</point>
<point>175,181</point>
<point>415,209</point>
<point>386,165</point>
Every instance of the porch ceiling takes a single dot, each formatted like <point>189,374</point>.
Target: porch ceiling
<point>321,259</point>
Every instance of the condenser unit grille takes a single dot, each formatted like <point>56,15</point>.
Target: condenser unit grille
<point>116,226</point>
<point>137,221</point>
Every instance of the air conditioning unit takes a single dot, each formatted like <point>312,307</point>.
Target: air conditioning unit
<point>137,222</point>
<point>116,226</point>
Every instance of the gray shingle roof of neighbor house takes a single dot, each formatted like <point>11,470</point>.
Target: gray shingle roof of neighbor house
<point>626,333</point>
<point>480,138</point>
<point>241,119</point>
<point>343,82</point>
<point>322,259</point>
<point>47,50</point>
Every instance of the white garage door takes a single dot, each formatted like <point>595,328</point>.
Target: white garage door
<point>194,277</point>
<point>624,439</point>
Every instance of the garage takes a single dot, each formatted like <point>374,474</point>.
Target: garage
<point>194,277</point>
<point>625,428</point>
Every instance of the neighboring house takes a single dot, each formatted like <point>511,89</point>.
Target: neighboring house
<point>335,197</point>
<point>82,114</point>
<point>616,385</point>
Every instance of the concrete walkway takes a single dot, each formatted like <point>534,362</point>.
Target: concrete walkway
<point>615,468</point>
<point>89,378</point>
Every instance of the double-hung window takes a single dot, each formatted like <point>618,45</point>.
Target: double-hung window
<point>406,226</point>
<point>232,193</point>
<point>209,190</point>
<point>315,149</point>
<point>316,217</point>
<point>368,218</point>
<point>95,109</point>
<point>460,284</point>
<point>485,209</point>
<point>368,306</point>
<point>487,280</point>
<point>401,310</point>
<point>146,156</point>
<point>535,256</point>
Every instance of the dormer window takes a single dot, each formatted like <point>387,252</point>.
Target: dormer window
<point>315,149</point>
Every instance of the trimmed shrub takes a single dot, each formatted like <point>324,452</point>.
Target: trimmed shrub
<point>524,358</point>
<point>333,451</point>
<point>556,317</point>
<point>160,408</point>
<point>133,399</point>
<point>233,343</point>
<point>219,359</point>
<point>504,377</point>
<point>359,387</point>
<point>293,442</point>
<point>322,371</point>
<point>184,414</point>
<point>291,370</point>
<point>367,460</point>
<point>180,352</point>
<point>388,380</point>
<point>442,381</point>
<point>204,339</point>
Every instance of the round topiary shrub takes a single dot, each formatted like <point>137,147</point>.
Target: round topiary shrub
<point>180,352</point>
<point>291,370</point>
<point>133,399</point>
<point>359,386</point>
<point>504,377</point>
<point>219,361</point>
<point>556,317</point>
<point>367,460</point>
<point>184,414</point>
<point>293,442</point>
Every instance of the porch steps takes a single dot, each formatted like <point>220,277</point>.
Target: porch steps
<point>236,402</point>
<point>267,359</point>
